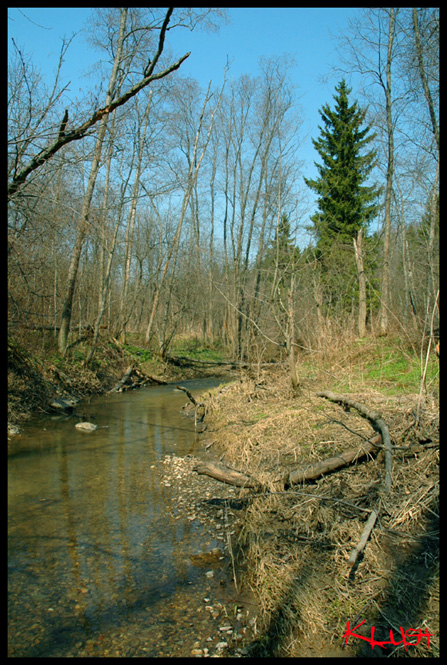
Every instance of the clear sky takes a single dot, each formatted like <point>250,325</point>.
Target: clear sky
<point>302,32</point>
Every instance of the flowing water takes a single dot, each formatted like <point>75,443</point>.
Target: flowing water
<point>97,565</point>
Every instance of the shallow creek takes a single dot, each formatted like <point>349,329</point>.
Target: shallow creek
<point>98,565</point>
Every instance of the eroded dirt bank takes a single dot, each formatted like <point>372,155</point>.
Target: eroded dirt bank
<point>36,380</point>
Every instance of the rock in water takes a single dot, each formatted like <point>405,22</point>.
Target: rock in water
<point>86,427</point>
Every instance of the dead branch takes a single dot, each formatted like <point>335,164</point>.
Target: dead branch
<point>226,475</point>
<point>200,409</point>
<point>332,463</point>
<point>364,537</point>
<point>134,377</point>
<point>376,421</point>
<point>126,379</point>
<point>232,477</point>
<point>190,396</point>
<point>80,132</point>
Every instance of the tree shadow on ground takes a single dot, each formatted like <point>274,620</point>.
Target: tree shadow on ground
<point>406,603</point>
<point>407,600</point>
<point>272,640</point>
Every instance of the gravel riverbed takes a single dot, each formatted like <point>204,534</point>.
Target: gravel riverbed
<point>217,508</point>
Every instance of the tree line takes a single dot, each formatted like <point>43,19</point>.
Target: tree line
<point>158,208</point>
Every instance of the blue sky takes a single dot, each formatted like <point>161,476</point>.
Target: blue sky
<point>302,32</point>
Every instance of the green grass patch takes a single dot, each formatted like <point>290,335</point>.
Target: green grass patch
<point>385,364</point>
<point>398,370</point>
<point>195,349</point>
<point>141,354</point>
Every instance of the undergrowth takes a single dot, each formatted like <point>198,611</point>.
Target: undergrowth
<point>294,545</point>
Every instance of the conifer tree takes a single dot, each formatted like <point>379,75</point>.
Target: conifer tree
<point>345,203</point>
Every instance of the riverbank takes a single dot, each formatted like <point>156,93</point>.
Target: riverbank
<point>39,376</point>
<point>290,545</point>
<point>293,545</point>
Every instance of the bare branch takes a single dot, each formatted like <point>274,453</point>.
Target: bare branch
<point>79,132</point>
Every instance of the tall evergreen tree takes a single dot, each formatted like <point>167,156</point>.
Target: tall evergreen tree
<point>345,203</point>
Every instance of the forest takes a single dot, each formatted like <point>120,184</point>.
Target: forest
<point>159,231</point>
<point>158,210</point>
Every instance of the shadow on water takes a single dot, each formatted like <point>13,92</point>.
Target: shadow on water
<point>62,634</point>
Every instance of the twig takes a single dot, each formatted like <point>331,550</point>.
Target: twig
<point>363,538</point>
<point>230,549</point>
<point>190,396</point>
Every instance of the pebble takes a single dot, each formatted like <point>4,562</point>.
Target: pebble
<point>203,617</point>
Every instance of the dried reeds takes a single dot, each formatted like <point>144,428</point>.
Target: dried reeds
<point>296,545</point>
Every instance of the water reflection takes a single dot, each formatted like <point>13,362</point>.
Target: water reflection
<point>91,546</point>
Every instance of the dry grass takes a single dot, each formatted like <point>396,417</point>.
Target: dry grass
<point>294,546</point>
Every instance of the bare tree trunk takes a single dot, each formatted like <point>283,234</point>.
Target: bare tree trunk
<point>105,283</point>
<point>358,248</point>
<point>131,224</point>
<point>433,286</point>
<point>423,76</point>
<point>83,224</point>
<point>194,167</point>
<point>433,264</point>
<point>291,336</point>
<point>105,292</point>
<point>385,298</point>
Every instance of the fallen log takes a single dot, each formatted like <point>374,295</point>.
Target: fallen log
<point>226,475</point>
<point>134,377</point>
<point>318,469</point>
<point>376,421</point>
<point>311,472</point>
<point>126,379</point>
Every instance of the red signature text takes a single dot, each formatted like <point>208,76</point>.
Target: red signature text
<point>406,636</point>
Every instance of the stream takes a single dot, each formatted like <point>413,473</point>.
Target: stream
<point>97,565</point>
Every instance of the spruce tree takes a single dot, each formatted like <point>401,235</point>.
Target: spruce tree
<point>345,203</point>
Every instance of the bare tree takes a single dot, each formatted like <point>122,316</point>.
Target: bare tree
<point>358,249</point>
<point>422,70</point>
<point>386,85</point>
<point>194,161</point>
<point>83,222</point>
<point>111,103</point>
<point>142,125</point>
